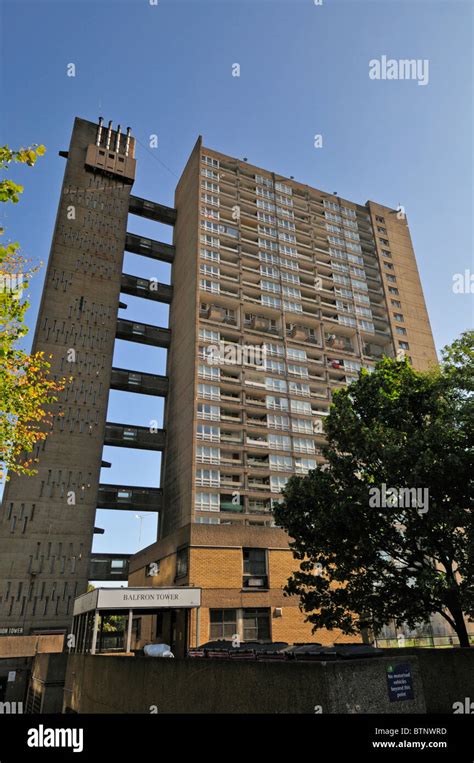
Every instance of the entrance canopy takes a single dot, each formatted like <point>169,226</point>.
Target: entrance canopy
<point>117,601</point>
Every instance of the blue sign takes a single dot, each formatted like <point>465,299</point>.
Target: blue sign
<point>400,682</point>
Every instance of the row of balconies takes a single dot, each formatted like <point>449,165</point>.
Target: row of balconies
<point>218,314</point>
<point>309,226</point>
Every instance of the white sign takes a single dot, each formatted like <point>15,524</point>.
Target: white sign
<point>11,675</point>
<point>138,598</point>
<point>148,598</point>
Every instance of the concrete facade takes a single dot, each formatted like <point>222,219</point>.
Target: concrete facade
<point>326,286</point>
<point>47,520</point>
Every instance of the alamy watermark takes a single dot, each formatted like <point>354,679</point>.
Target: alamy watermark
<point>236,354</point>
<point>404,68</point>
<point>402,497</point>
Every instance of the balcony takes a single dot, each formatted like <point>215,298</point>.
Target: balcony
<point>123,436</point>
<point>148,247</point>
<point>143,333</point>
<point>142,287</point>
<point>259,484</point>
<point>145,384</point>
<point>152,210</point>
<point>216,313</point>
<point>236,508</point>
<point>129,498</point>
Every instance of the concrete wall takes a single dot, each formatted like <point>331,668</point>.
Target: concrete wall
<point>47,520</point>
<point>135,685</point>
<point>47,682</point>
<point>447,675</point>
<point>28,646</point>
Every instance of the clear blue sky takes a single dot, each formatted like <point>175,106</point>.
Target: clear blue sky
<point>167,70</point>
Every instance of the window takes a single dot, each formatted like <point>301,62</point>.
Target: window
<point>209,392</point>
<point>212,286</point>
<point>379,219</point>
<point>290,277</point>
<point>353,247</point>
<point>207,254</point>
<point>209,270</point>
<point>209,173</point>
<point>292,307</point>
<point>304,465</point>
<point>293,354</point>
<point>403,345</point>
<point>300,371</point>
<point>393,290</point>
<point>209,412</point>
<point>270,286</point>
<point>276,403</point>
<point>399,317</point>
<point>268,270</point>
<point>208,455</point>
<point>262,180</point>
<point>223,624</point>
<point>302,445</point>
<point>291,291</point>
<point>266,218</point>
<point>256,624</point>
<point>207,502</point>
<point>255,568</point>
<point>388,266</point>
<point>277,484</point>
<point>299,388</point>
<point>280,463</point>
<point>359,285</point>
<point>274,366</point>
<point>278,385</point>
<point>384,241</point>
<point>266,230</point>
<point>348,212</point>
<point>283,188</point>
<point>262,204</point>
<point>391,278</point>
<point>209,372</point>
<point>300,406</point>
<point>386,253</point>
<point>270,301</point>
<point>279,442</point>
<point>302,426</point>
<point>352,235</point>
<point>275,421</point>
<point>381,230</point>
<point>208,478</point>
<point>396,303</point>
<point>400,330</point>
<point>208,432</point>
<point>208,198</point>
<point>291,251</point>
<point>274,349</point>
<point>210,160</point>
<point>182,562</point>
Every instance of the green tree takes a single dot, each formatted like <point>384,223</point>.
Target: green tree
<point>370,552</point>
<point>26,387</point>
